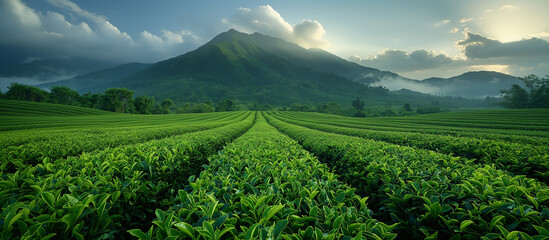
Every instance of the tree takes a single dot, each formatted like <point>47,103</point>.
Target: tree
<point>407,107</point>
<point>89,100</point>
<point>143,104</point>
<point>23,92</point>
<point>358,105</point>
<point>225,105</point>
<point>537,90</point>
<point>300,108</point>
<point>536,94</point>
<point>331,108</point>
<point>166,105</point>
<point>186,108</point>
<point>406,110</point>
<point>63,95</point>
<point>116,100</point>
<point>202,108</point>
<point>516,97</point>
<point>540,98</point>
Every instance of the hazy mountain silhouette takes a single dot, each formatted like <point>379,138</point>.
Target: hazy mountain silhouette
<point>473,84</point>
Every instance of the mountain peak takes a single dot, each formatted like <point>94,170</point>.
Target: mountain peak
<point>228,36</point>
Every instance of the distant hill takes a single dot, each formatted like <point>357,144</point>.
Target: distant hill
<point>50,69</point>
<point>99,80</point>
<point>468,85</point>
<point>253,68</point>
<point>473,84</point>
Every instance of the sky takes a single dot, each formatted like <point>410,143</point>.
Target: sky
<point>416,39</point>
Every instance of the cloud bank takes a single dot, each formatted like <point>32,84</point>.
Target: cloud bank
<point>520,58</point>
<point>265,20</point>
<point>91,36</point>
<point>403,61</point>
<point>481,47</point>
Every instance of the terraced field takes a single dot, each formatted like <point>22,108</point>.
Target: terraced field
<point>69,173</point>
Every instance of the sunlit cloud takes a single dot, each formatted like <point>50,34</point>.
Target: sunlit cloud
<point>454,30</point>
<point>266,20</point>
<point>464,20</point>
<point>445,21</point>
<point>542,35</point>
<point>492,67</point>
<point>481,53</point>
<point>478,46</point>
<point>507,7</point>
<point>404,61</point>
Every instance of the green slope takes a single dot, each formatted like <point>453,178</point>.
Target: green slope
<point>23,108</point>
<point>232,65</point>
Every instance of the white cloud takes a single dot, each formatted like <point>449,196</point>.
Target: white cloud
<point>507,7</point>
<point>265,20</point>
<point>397,83</point>
<point>464,20</point>
<point>478,46</point>
<point>403,61</point>
<point>172,38</point>
<point>491,67</point>
<point>445,21</point>
<point>518,58</point>
<point>93,37</point>
<point>454,30</point>
<point>542,35</point>
<point>309,34</point>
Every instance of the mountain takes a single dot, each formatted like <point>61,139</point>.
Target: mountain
<point>99,80</point>
<point>317,59</point>
<point>473,84</point>
<point>38,71</point>
<point>53,68</point>
<point>254,68</point>
<point>251,68</point>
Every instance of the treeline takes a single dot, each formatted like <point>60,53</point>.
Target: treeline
<point>536,94</point>
<point>121,100</point>
<point>113,99</point>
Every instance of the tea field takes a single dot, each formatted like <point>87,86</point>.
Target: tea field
<point>74,173</point>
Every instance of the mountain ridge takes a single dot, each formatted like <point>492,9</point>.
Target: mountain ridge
<point>250,68</point>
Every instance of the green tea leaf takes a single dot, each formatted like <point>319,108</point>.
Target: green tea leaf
<point>279,228</point>
<point>49,199</point>
<point>138,233</point>
<point>465,224</point>
<point>251,231</point>
<point>337,222</point>
<point>186,228</point>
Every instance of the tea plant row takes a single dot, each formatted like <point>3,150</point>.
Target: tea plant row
<point>430,194</point>
<point>102,194</point>
<point>413,125</point>
<point>23,108</point>
<point>264,185</point>
<point>518,158</point>
<point>71,143</point>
